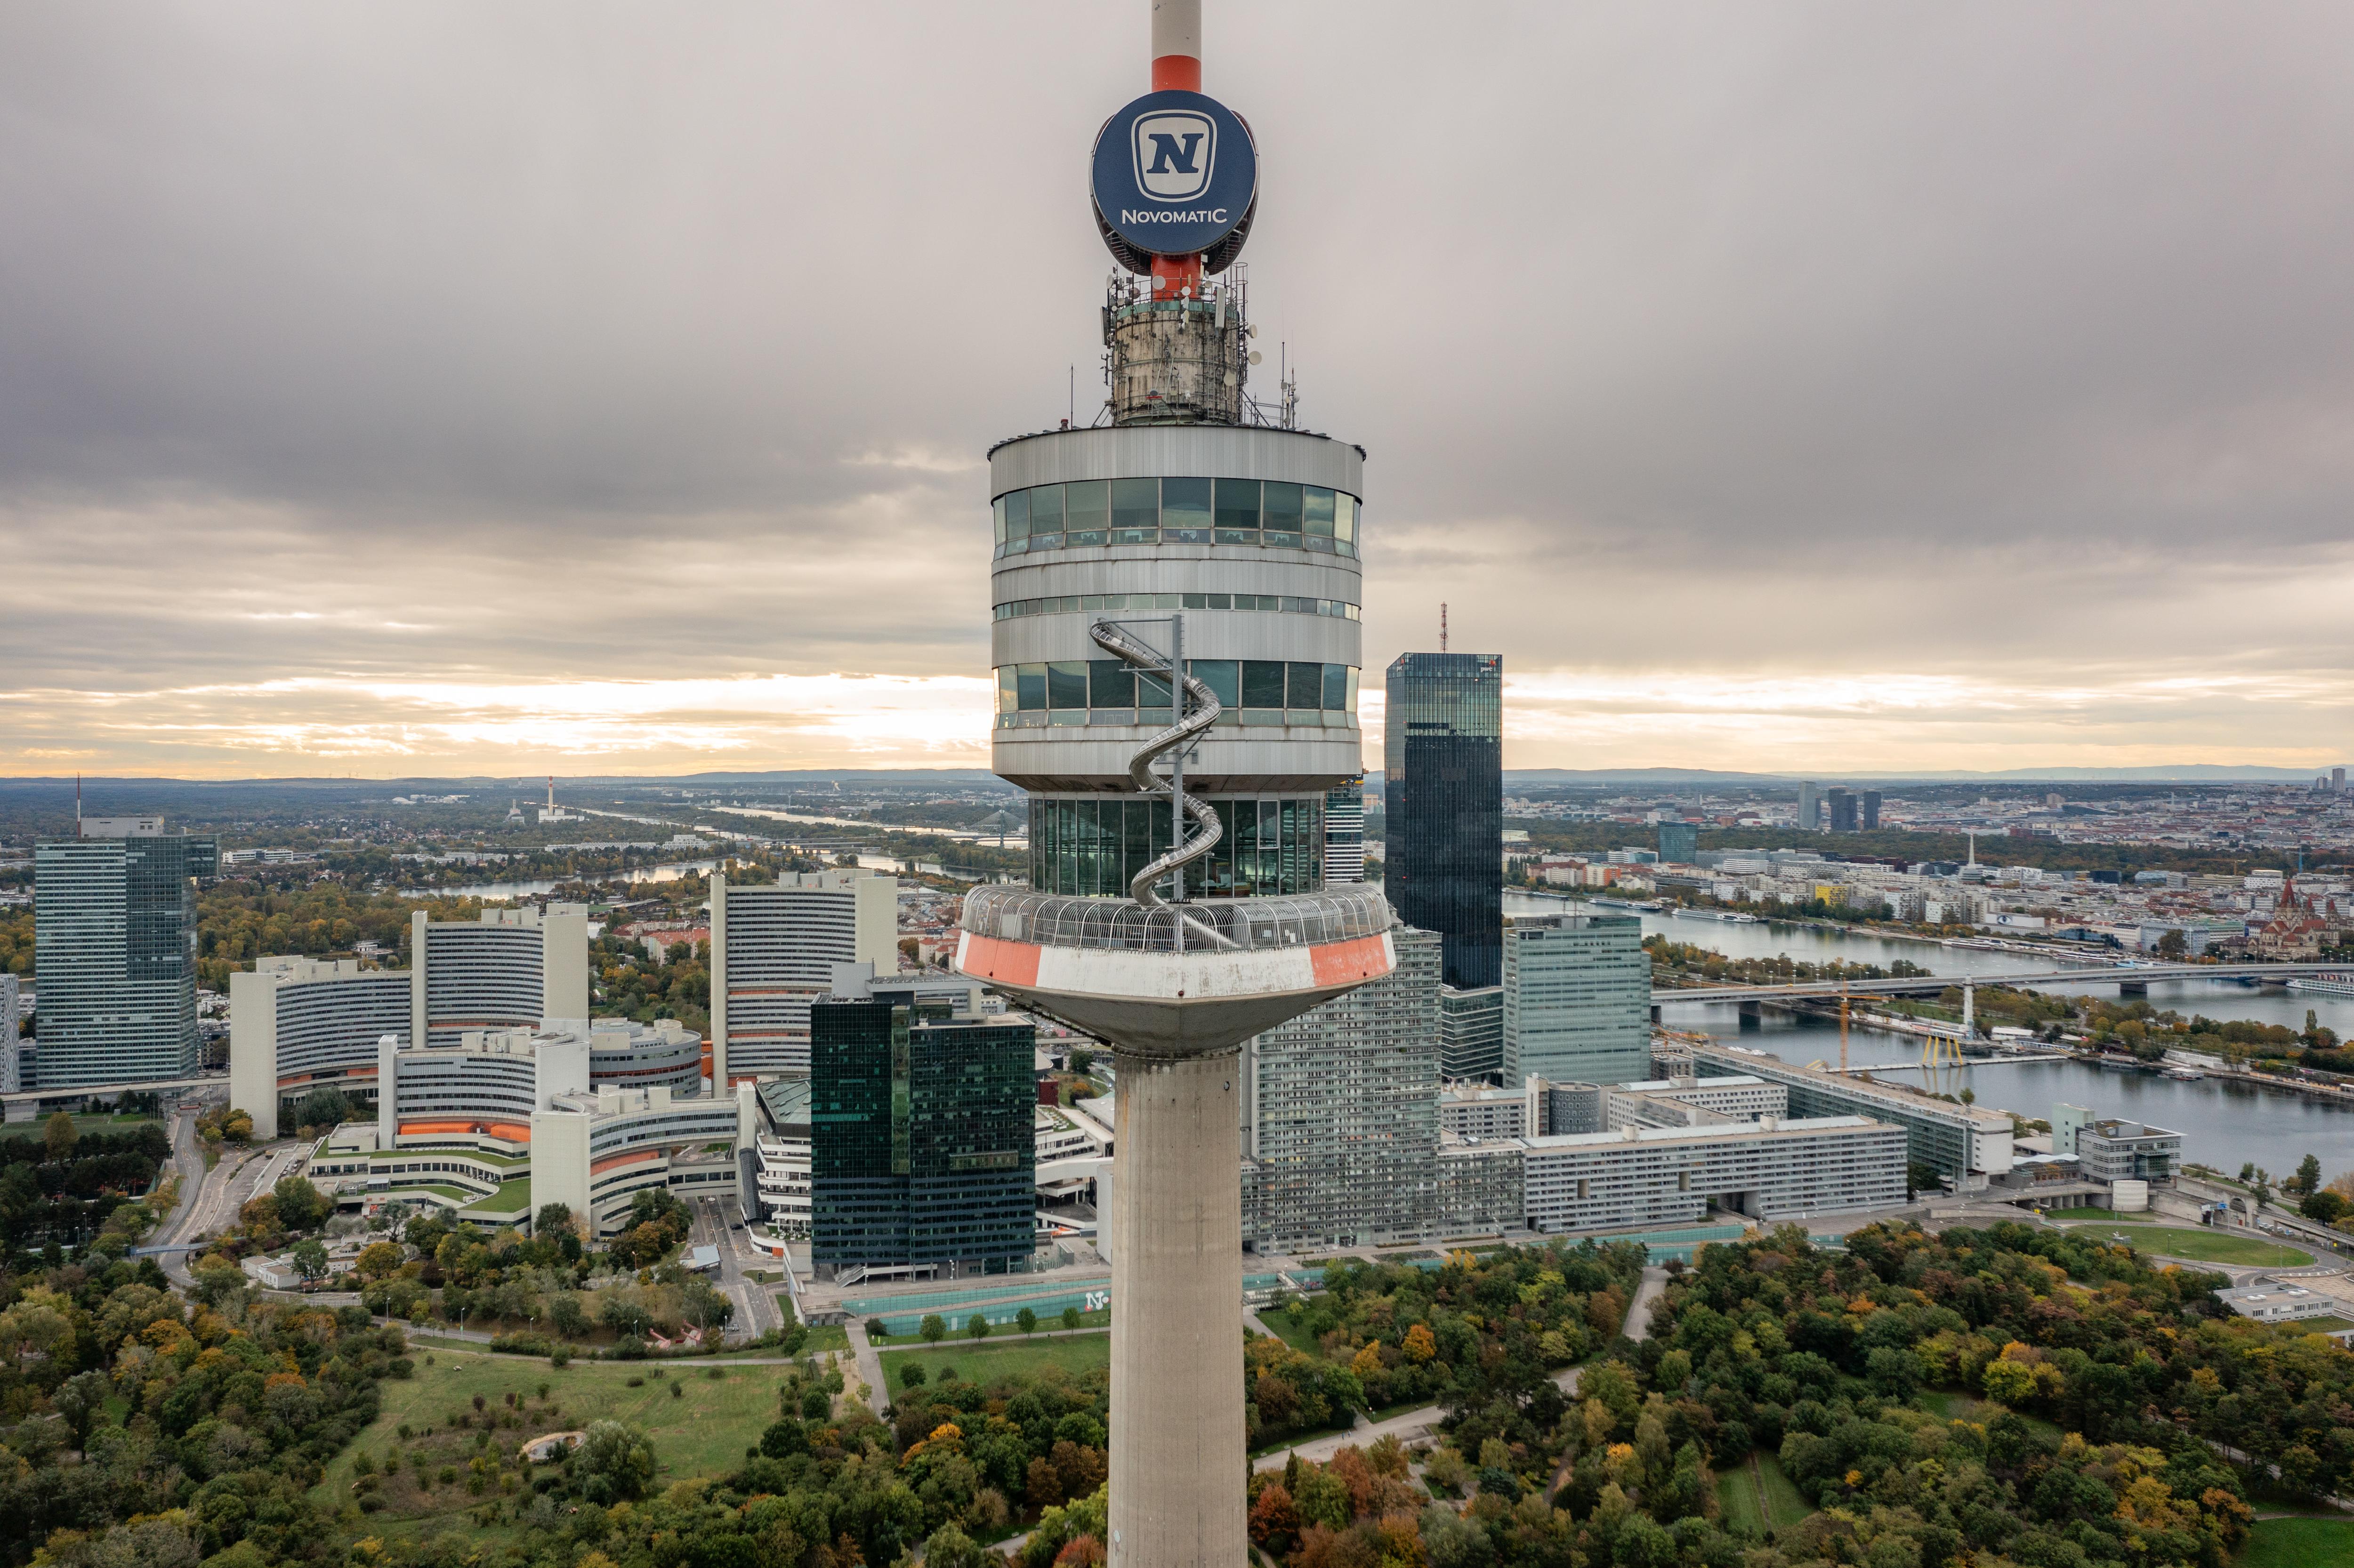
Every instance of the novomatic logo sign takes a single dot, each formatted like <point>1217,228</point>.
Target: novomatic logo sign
<point>1176,152</point>
<point>1174,172</point>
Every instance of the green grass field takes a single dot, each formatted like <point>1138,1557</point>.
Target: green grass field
<point>2299,1543</point>
<point>703,1430</point>
<point>2203,1245</point>
<point>1783,1506</point>
<point>1736,1499</point>
<point>1289,1329</point>
<point>995,1358</point>
<point>1953,1405</point>
<point>2102,1214</point>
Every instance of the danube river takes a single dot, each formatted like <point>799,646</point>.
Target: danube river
<point>2224,1123</point>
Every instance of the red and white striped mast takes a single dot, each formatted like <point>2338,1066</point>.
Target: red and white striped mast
<point>1177,68</point>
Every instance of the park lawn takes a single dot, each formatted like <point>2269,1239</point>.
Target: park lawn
<point>2103,1215</point>
<point>983,1360</point>
<point>1291,1331</point>
<point>2298,1544</point>
<point>2210,1246</point>
<point>1783,1506</point>
<point>701,1431</point>
<point>1736,1499</point>
<point>101,1123</point>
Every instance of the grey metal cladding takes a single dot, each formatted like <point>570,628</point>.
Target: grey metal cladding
<point>1140,451</point>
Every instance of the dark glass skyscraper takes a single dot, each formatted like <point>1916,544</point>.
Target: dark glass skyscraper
<point>920,1141</point>
<point>114,942</point>
<point>1443,794</point>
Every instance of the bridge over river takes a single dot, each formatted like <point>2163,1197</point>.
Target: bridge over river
<point>2130,980</point>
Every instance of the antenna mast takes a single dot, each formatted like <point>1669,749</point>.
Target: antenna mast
<point>1442,626</point>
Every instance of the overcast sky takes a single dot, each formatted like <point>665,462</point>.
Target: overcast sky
<point>404,388</point>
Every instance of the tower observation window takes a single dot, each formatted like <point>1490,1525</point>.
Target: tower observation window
<point>1177,510</point>
<point>1253,692</point>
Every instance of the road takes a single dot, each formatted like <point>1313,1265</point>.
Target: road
<point>755,1308</point>
<point>209,1200</point>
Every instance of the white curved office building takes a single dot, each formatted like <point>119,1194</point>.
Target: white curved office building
<point>298,1024</point>
<point>774,949</point>
<point>510,969</point>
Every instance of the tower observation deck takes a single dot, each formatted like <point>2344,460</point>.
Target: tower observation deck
<point>1177,651</point>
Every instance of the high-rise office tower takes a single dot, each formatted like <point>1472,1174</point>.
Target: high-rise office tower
<point>1471,1033</point>
<point>1343,1119</point>
<point>774,947</point>
<point>1177,647</point>
<point>920,1126</point>
<point>512,969</point>
<point>1869,810</point>
<point>114,950</point>
<point>1443,806</point>
<point>12,1078</point>
<point>1679,842</point>
<point>1577,999</point>
<point>1811,809</point>
<point>1344,832</point>
<point>1842,804</point>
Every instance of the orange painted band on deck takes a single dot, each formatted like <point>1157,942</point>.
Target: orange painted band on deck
<point>615,1162</point>
<point>512,1131</point>
<point>1344,963</point>
<point>992,957</point>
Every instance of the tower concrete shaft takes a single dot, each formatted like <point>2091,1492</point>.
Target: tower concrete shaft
<point>1179,1450</point>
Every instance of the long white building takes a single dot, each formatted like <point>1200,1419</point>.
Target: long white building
<point>1768,1169</point>
<point>774,947</point>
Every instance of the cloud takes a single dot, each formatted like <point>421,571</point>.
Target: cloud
<point>1806,385</point>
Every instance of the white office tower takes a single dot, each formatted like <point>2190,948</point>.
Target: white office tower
<point>11,1020</point>
<point>1176,644</point>
<point>1344,832</point>
<point>774,947</point>
<point>298,1024</point>
<point>510,969</point>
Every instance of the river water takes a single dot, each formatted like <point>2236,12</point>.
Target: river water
<point>671,872</point>
<point>2224,1123</point>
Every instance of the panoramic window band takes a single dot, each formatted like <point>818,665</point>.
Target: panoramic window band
<point>1252,691</point>
<point>1274,514</point>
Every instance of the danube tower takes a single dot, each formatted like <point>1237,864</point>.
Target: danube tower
<point>1176,645</point>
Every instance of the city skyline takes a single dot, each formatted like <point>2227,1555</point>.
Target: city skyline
<point>1767,399</point>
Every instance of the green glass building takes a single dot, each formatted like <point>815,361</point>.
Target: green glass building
<point>920,1141</point>
<point>115,952</point>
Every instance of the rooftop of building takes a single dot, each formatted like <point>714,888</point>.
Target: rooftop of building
<point>1769,1127</point>
<point>2116,1128</point>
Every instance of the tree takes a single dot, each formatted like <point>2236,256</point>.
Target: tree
<point>1083,1060</point>
<point>912,1376</point>
<point>1070,1316</point>
<point>553,1220</point>
<point>934,1328</point>
<point>59,1137</point>
<point>1027,1320</point>
<point>705,1308</point>
<point>977,1326</point>
<point>2173,946</point>
<point>614,1463</point>
<point>564,1309</point>
<point>311,1259</point>
<point>2307,1177</point>
<point>876,1330</point>
<point>80,1399</point>
<point>301,1206</point>
<point>625,1318</point>
<point>2325,1206</point>
<point>952,1548</point>
<point>377,1259</point>
<point>322,1108</point>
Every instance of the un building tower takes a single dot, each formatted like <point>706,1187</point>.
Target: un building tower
<point>1176,649</point>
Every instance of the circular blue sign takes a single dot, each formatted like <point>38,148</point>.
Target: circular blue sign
<point>1174,172</point>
